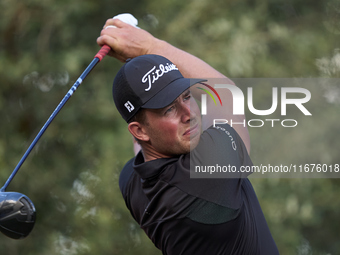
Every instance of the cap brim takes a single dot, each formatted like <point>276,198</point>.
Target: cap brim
<point>170,93</point>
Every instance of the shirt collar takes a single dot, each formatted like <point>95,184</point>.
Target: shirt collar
<point>150,168</point>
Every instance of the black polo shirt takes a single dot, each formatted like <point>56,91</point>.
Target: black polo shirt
<point>183,215</point>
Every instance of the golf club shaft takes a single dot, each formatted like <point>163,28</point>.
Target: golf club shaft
<point>98,57</point>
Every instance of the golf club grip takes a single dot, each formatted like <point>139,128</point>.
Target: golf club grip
<point>102,52</point>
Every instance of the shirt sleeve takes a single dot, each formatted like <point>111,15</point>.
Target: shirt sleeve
<point>220,153</point>
<point>219,147</point>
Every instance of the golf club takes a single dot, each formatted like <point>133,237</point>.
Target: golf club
<point>17,215</point>
<point>17,211</point>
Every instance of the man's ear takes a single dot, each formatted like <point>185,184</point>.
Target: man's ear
<point>137,130</point>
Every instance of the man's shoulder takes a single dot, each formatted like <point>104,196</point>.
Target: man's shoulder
<point>221,130</point>
<point>126,175</point>
<point>220,145</point>
<point>220,138</point>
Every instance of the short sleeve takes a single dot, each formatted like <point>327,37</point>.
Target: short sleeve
<point>220,154</point>
<point>218,147</point>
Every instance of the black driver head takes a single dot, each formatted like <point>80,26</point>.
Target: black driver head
<point>17,215</point>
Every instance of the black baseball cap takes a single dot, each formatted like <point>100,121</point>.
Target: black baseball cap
<point>148,81</point>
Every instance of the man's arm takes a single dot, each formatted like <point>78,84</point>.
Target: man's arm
<point>127,42</point>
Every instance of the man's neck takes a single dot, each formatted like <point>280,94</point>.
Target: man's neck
<point>150,154</point>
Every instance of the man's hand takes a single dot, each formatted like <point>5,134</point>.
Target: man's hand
<point>126,41</point>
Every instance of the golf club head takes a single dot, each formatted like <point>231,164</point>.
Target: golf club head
<point>17,215</point>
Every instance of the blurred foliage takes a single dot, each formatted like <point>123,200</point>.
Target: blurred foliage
<point>72,174</point>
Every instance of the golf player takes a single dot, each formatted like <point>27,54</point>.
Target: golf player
<point>181,215</point>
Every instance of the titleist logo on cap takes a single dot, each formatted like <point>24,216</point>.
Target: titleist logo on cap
<point>154,74</point>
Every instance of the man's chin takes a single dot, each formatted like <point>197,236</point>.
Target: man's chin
<point>194,140</point>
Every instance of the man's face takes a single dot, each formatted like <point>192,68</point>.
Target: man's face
<point>175,129</point>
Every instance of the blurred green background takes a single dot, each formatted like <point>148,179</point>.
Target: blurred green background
<point>72,174</point>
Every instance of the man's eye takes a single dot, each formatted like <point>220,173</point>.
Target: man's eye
<point>169,109</point>
<point>187,97</point>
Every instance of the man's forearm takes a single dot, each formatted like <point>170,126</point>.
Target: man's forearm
<point>189,65</point>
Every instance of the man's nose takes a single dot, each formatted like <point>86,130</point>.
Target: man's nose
<point>186,113</point>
